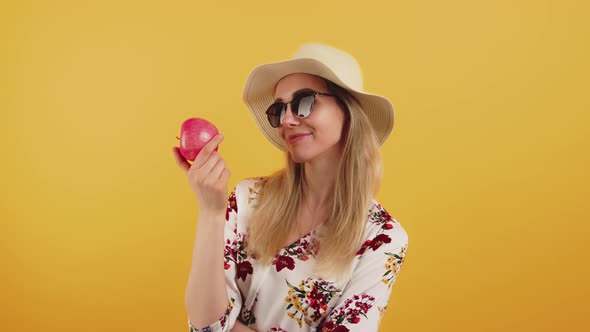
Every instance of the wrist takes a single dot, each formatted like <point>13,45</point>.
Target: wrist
<point>212,214</point>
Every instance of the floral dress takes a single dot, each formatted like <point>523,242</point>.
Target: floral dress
<point>285,297</point>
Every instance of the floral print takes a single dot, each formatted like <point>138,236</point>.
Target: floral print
<point>378,216</point>
<point>393,266</point>
<point>300,250</point>
<point>287,295</point>
<point>309,301</point>
<point>254,188</point>
<point>247,316</point>
<point>222,320</point>
<point>234,250</point>
<point>350,313</point>
<point>232,205</point>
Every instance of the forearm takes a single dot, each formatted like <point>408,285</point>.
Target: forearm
<point>206,296</point>
<point>240,327</point>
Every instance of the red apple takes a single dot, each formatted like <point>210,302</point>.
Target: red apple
<point>194,135</point>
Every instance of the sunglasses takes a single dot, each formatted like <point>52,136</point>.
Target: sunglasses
<point>301,106</point>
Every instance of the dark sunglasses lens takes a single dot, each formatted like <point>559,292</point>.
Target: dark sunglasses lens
<point>304,104</point>
<point>274,114</point>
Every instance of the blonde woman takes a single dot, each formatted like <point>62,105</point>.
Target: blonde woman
<point>307,248</point>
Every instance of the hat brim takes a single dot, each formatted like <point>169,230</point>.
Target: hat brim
<point>259,91</point>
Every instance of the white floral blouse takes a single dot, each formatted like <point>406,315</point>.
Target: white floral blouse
<point>284,297</point>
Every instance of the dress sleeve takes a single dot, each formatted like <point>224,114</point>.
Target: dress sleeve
<point>364,299</point>
<point>228,319</point>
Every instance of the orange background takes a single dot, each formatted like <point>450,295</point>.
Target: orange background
<point>487,166</point>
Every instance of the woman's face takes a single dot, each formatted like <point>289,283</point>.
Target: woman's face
<point>324,124</point>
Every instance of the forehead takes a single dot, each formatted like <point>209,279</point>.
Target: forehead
<point>293,82</point>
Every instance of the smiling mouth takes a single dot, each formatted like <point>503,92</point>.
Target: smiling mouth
<point>296,138</point>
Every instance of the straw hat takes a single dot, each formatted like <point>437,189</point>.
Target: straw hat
<point>321,60</point>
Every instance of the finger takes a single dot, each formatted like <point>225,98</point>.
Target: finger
<point>180,160</point>
<point>207,150</point>
<point>224,177</point>
<point>206,168</point>
<point>217,169</point>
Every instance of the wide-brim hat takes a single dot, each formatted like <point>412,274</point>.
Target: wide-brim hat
<point>321,60</point>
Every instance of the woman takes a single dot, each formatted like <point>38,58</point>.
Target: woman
<point>275,277</point>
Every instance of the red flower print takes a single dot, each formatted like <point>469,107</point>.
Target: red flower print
<point>300,249</point>
<point>379,240</point>
<point>277,329</point>
<point>232,204</point>
<point>317,300</point>
<point>234,252</point>
<point>284,261</point>
<point>243,269</point>
<point>385,215</point>
<point>349,314</point>
<point>309,300</point>
<point>379,216</point>
<point>364,247</point>
<point>329,327</point>
<point>223,321</point>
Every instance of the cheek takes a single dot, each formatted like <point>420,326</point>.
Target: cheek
<point>333,126</point>
<point>328,134</point>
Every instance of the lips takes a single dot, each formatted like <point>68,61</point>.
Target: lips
<point>295,136</point>
<point>298,134</point>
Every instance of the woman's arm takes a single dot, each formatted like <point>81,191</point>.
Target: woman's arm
<point>206,298</point>
<point>206,294</point>
<point>218,244</point>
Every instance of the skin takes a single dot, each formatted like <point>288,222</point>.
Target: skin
<point>320,151</point>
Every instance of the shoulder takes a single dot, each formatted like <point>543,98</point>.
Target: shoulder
<point>384,232</point>
<point>252,182</point>
<point>247,189</point>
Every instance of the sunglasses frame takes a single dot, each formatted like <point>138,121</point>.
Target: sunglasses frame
<point>296,98</point>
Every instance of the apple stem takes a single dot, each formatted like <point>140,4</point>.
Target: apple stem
<point>177,138</point>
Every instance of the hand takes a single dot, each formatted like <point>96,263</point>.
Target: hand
<point>207,176</point>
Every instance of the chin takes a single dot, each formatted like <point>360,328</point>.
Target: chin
<point>300,157</point>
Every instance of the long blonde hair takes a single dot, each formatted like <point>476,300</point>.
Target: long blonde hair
<point>358,176</point>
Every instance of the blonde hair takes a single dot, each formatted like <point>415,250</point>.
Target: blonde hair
<point>358,175</point>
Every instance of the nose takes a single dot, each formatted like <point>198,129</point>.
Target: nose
<point>289,120</point>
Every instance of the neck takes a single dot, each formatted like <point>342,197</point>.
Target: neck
<point>320,177</point>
